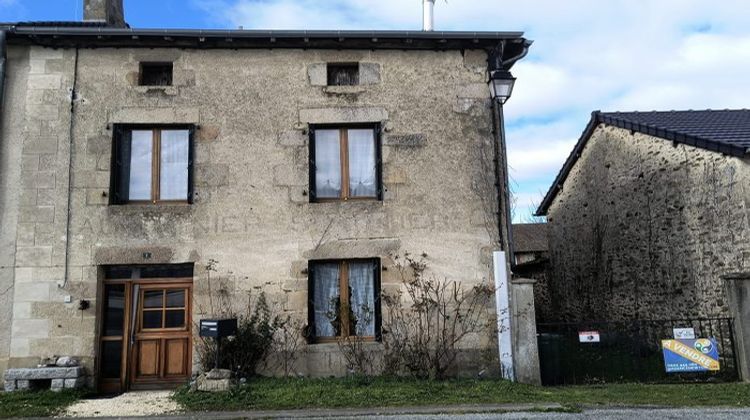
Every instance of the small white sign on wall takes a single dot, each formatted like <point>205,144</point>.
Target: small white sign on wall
<point>683,333</point>
<point>588,336</point>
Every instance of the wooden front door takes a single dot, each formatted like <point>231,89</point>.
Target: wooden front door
<point>161,340</point>
<point>145,329</point>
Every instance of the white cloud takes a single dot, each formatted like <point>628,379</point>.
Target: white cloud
<point>588,54</point>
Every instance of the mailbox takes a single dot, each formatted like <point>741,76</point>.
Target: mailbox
<point>218,328</point>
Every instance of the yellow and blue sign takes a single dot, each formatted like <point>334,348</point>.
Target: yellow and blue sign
<point>698,355</point>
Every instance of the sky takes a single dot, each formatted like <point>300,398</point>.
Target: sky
<point>609,55</point>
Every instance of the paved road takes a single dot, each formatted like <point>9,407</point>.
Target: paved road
<point>603,414</point>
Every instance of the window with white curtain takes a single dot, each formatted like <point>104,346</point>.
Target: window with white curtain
<point>344,299</point>
<point>345,163</point>
<point>151,165</point>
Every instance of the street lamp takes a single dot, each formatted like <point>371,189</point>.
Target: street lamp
<point>501,85</point>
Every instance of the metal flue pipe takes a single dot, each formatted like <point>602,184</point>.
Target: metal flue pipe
<point>428,15</point>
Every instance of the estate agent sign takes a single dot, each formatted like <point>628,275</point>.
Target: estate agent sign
<point>697,355</point>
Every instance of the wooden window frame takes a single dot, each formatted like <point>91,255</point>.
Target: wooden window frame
<point>344,298</point>
<point>163,309</point>
<point>120,132</point>
<point>344,162</point>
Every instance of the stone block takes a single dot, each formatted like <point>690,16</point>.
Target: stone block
<point>395,175</point>
<point>342,115</point>
<point>292,138</point>
<point>34,256</point>
<point>31,328</point>
<point>208,133</point>
<point>44,81</point>
<point>44,112</point>
<point>219,374</point>
<point>99,144</point>
<point>47,162</point>
<point>405,140</point>
<point>369,73</point>
<point>9,385</point>
<point>317,74</point>
<point>96,197</point>
<point>30,163</point>
<point>57,385</point>
<point>289,175</point>
<point>214,385</point>
<point>23,385</point>
<point>45,373</point>
<point>25,234</point>
<point>36,179</point>
<point>45,197</point>
<point>474,91</point>
<point>75,383</point>
<point>160,115</point>
<point>42,53</point>
<point>36,66</point>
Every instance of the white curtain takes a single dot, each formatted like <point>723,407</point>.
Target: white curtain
<point>327,164</point>
<point>173,184</point>
<point>326,299</point>
<point>362,172</point>
<point>362,298</point>
<point>141,146</point>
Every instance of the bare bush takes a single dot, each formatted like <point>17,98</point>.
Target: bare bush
<point>421,336</point>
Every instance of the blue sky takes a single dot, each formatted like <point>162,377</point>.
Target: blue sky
<point>613,55</point>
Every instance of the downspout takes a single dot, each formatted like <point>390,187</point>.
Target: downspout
<point>71,131</point>
<point>3,60</point>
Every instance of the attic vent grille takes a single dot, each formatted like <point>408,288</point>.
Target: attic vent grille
<point>343,74</point>
<point>156,74</point>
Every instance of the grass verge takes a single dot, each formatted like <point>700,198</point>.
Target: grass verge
<point>271,394</point>
<point>35,404</point>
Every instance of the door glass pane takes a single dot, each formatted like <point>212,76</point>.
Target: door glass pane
<point>151,319</point>
<point>362,298</point>
<point>111,359</point>
<point>173,184</point>
<point>114,310</point>
<point>175,318</point>
<point>175,298</point>
<point>140,164</point>
<point>153,298</point>
<point>326,300</point>
<point>362,174</point>
<point>327,164</point>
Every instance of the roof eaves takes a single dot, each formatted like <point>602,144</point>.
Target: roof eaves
<point>598,117</point>
<point>557,184</point>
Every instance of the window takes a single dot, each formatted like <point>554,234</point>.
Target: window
<point>343,74</point>
<point>345,163</point>
<point>152,165</point>
<point>156,74</point>
<point>344,299</point>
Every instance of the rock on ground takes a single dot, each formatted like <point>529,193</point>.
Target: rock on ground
<point>141,403</point>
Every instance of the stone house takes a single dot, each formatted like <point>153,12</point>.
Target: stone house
<point>648,213</point>
<point>143,172</point>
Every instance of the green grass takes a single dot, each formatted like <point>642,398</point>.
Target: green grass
<point>269,394</point>
<point>35,404</point>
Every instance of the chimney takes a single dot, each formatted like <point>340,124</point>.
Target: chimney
<point>428,15</point>
<point>110,12</point>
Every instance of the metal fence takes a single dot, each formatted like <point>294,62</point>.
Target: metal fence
<point>627,351</point>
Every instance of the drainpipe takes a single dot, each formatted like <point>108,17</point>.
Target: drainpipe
<point>3,60</point>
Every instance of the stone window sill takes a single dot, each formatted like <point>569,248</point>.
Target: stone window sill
<point>165,90</point>
<point>344,90</point>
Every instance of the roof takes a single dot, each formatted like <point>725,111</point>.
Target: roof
<point>530,237</point>
<point>721,131</point>
<point>92,35</point>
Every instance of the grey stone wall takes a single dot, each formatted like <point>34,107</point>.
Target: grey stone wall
<point>251,212</point>
<point>645,228</point>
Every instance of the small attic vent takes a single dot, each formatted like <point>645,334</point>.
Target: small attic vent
<point>156,74</point>
<point>343,74</point>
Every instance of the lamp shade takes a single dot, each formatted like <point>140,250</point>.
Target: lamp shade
<point>501,85</point>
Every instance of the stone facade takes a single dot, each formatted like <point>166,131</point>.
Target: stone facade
<point>251,211</point>
<point>646,228</point>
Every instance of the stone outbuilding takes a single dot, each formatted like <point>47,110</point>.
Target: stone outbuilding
<point>151,178</point>
<point>648,213</point>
